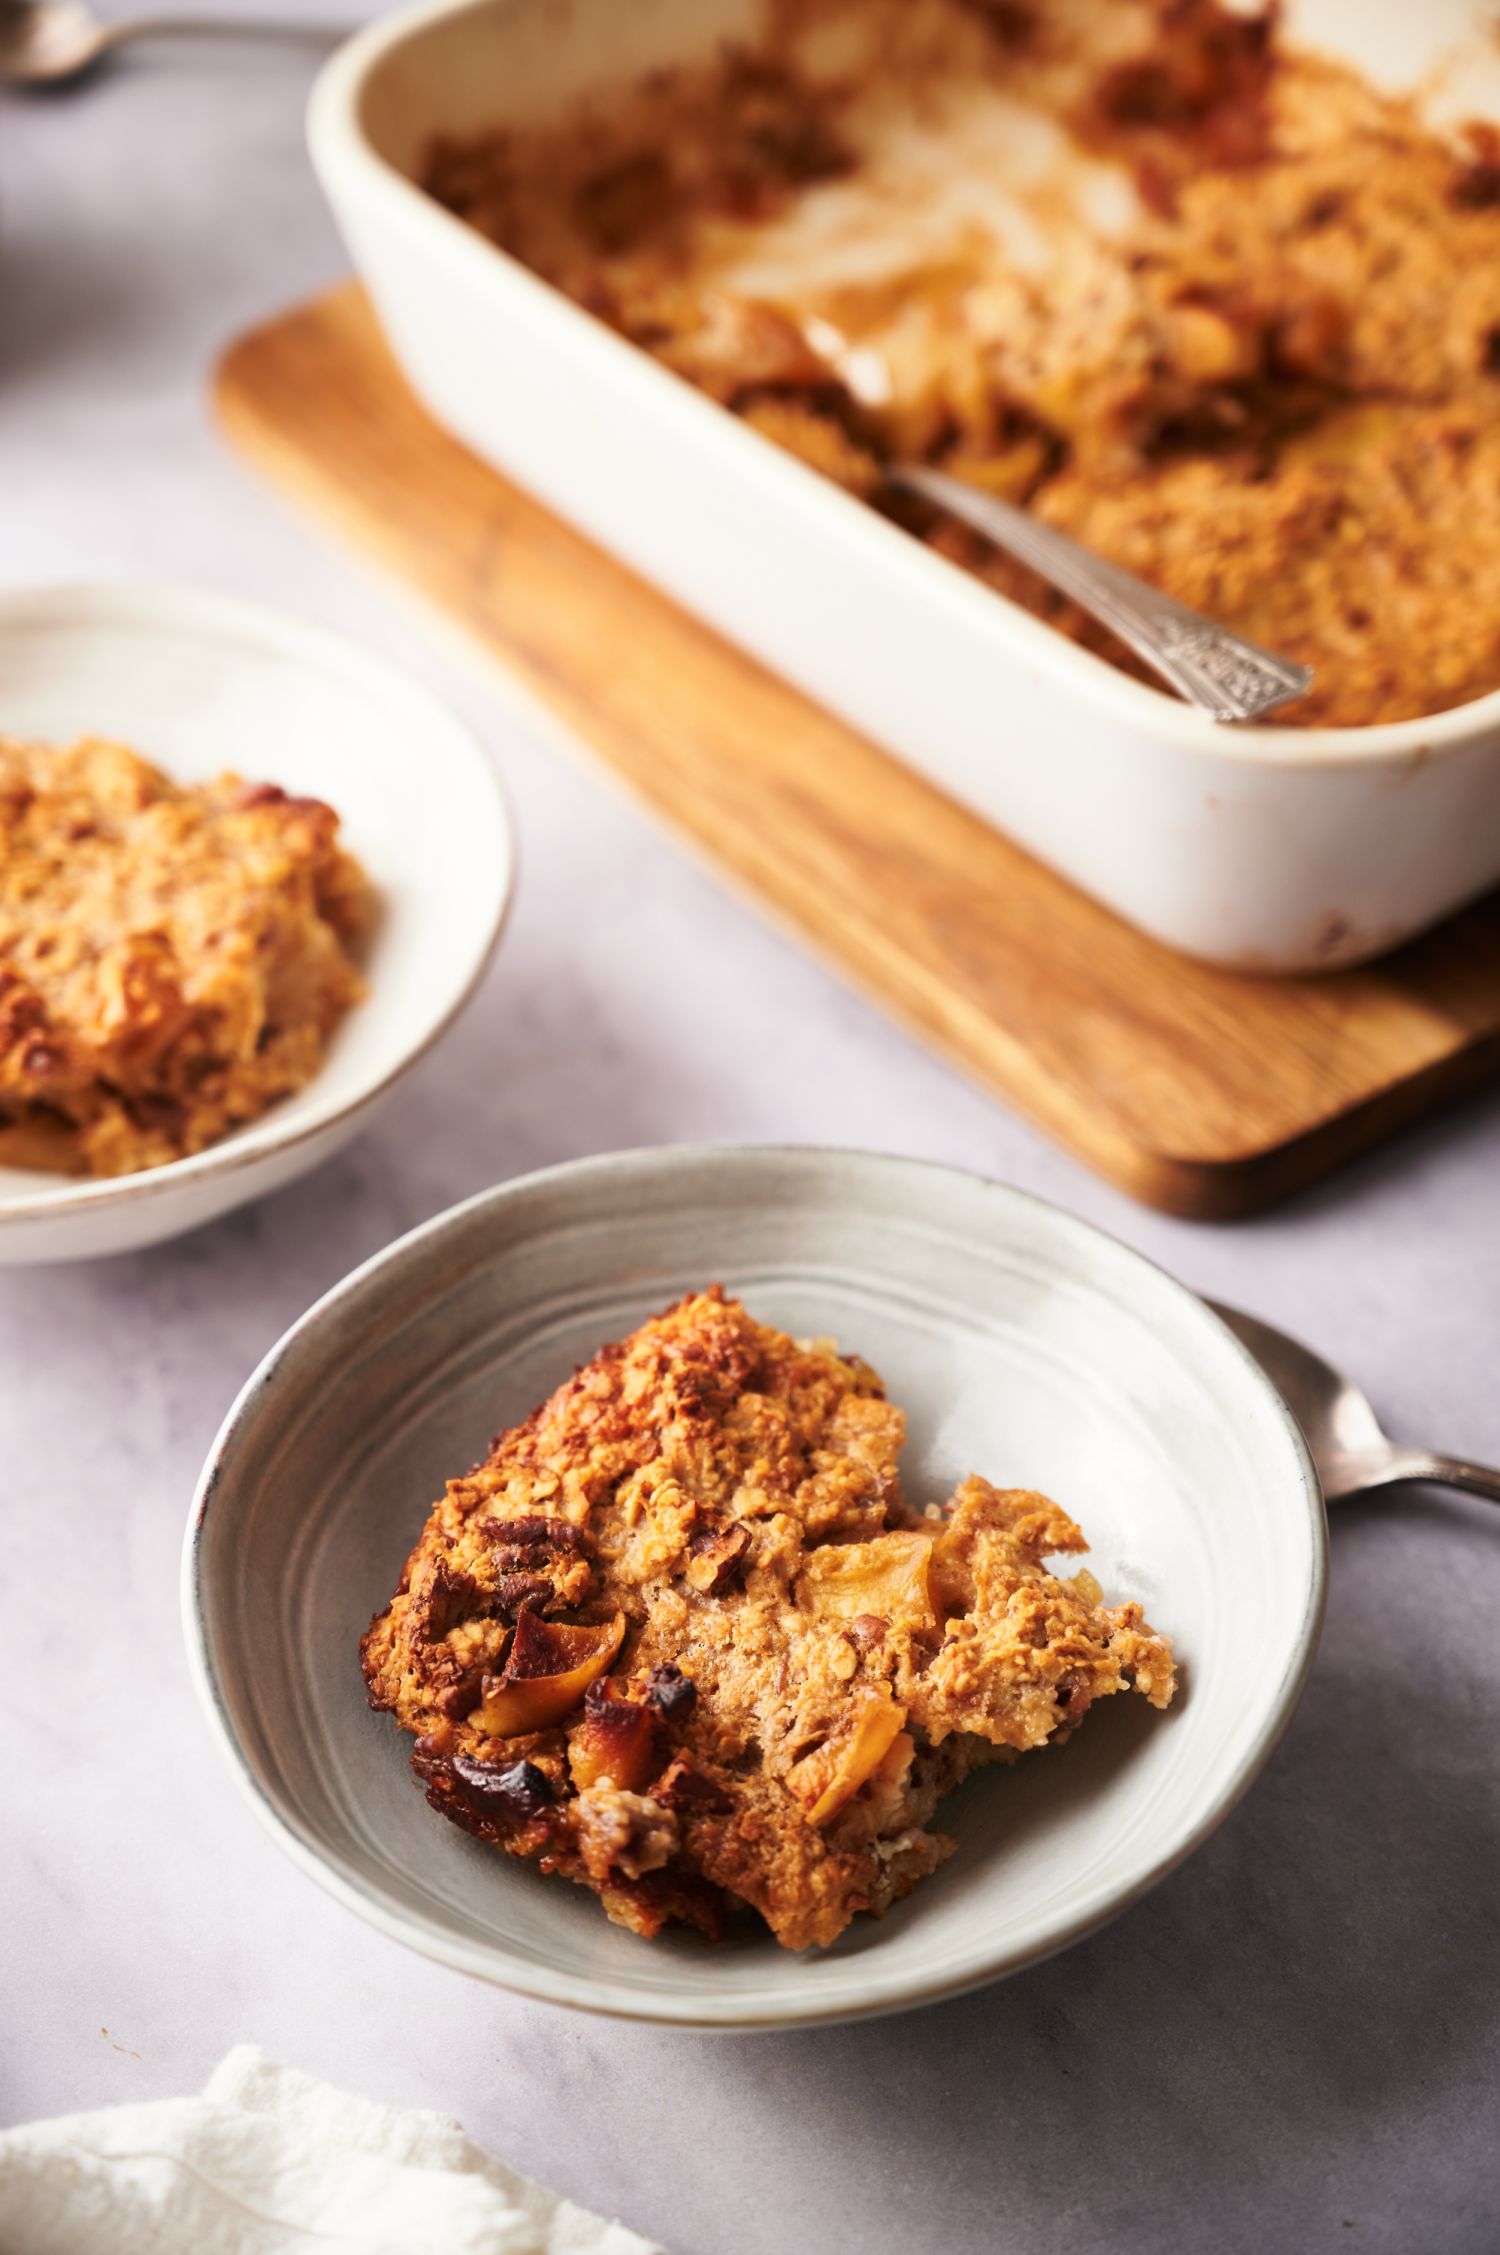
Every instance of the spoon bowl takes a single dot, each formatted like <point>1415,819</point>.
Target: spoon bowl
<point>44,44</point>
<point>52,42</point>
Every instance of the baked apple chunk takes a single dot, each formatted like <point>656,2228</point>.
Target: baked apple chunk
<point>680,1639</point>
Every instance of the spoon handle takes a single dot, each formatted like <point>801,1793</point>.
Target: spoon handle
<point>1213,668</point>
<point>226,27</point>
<point>1408,1465</point>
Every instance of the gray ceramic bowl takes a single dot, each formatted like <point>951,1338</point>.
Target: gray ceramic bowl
<point>1021,1342</point>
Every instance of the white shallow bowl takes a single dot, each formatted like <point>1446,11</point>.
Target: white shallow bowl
<point>199,683</point>
<point>1021,1343</point>
<point>1273,849</point>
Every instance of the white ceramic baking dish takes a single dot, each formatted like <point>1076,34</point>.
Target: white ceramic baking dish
<point>1275,849</point>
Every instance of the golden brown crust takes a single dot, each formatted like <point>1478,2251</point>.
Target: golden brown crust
<point>1274,390</point>
<point>172,960</point>
<point>737,1669</point>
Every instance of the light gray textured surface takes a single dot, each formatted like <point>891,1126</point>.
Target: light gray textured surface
<point>1293,2044</point>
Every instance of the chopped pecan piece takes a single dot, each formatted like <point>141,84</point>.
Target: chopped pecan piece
<point>539,1561</point>
<point>646,1904</point>
<point>461,1698</point>
<point>1476,180</point>
<point>670,1692</point>
<point>618,204</point>
<point>441,1602</point>
<point>620,1831</point>
<point>682,1785</point>
<point>512,1591</point>
<point>533,1528</point>
<point>715,1557</point>
<point>1012,24</point>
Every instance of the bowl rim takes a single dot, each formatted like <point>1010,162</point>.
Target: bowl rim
<point>508,1970</point>
<point>177,608</point>
<point>341,147</point>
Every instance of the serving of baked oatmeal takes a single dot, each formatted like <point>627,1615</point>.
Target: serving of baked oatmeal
<point>173,958</point>
<point>680,1638</point>
<point>1207,300</point>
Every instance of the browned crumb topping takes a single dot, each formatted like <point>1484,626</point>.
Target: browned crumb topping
<point>1272,387</point>
<point>172,960</point>
<point>679,1638</point>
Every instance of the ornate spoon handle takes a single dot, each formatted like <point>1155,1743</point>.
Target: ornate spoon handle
<point>1207,664</point>
<point>126,29</point>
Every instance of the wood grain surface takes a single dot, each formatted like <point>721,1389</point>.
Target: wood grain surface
<point>1200,1091</point>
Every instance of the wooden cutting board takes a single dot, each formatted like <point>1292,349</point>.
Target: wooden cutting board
<point>1200,1091</point>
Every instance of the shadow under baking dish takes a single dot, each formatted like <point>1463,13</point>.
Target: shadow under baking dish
<point>1019,1341</point>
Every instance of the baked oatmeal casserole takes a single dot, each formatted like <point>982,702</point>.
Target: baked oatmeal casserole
<point>680,1638</point>
<point>173,958</point>
<point>1206,300</point>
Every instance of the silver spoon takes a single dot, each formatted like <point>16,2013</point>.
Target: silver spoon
<point>45,42</point>
<point>1207,664</point>
<point>1350,1451</point>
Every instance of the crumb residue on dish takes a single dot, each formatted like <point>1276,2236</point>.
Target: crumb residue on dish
<point>1211,303</point>
<point>681,1639</point>
<point>173,959</point>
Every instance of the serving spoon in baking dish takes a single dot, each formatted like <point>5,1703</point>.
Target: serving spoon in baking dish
<point>1209,665</point>
<point>48,42</point>
<point>1351,1452</point>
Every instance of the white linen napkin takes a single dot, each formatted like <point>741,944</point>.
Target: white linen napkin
<point>272,2162</point>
